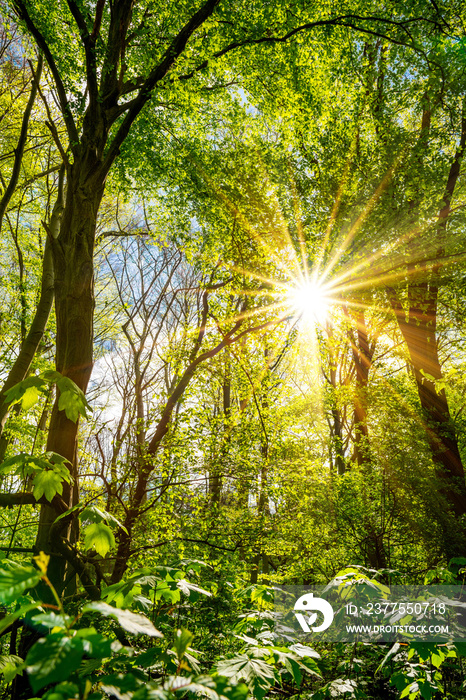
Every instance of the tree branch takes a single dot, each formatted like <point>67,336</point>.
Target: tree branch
<point>342,21</point>
<point>8,500</point>
<point>88,42</point>
<point>175,49</point>
<point>43,46</point>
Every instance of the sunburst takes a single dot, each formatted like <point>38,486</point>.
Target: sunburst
<point>310,300</point>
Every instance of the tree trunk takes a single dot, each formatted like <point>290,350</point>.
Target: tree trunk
<point>419,333</point>
<point>363,353</point>
<point>336,423</point>
<point>195,359</point>
<point>218,468</point>
<point>74,304</point>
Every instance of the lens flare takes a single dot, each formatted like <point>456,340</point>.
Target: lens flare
<point>310,300</point>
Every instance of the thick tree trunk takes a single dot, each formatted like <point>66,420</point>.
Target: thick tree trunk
<point>419,333</point>
<point>74,304</point>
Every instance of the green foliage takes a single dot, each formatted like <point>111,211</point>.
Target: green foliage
<point>131,622</point>
<point>71,399</point>
<point>183,639</point>
<point>340,688</point>
<point>273,162</point>
<point>9,619</point>
<point>258,675</point>
<point>99,536</point>
<point>53,659</point>
<point>74,659</point>
<point>94,514</point>
<point>15,578</point>
<point>47,472</point>
<point>10,666</point>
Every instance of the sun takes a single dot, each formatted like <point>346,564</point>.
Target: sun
<point>310,301</point>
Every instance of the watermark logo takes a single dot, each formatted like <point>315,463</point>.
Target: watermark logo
<point>368,611</point>
<point>308,604</point>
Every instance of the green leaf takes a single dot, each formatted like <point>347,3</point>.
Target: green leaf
<point>53,659</point>
<point>400,680</point>
<point>135,623</point>
<point>29,465</point>
<point>344,686</point>
<point>26,392</point>
<point>96,515</point>
<point>15,464</point>
<point>14,579</point>
<point>412,688</point>
<point>11,666</point>
<point>214,688</point>
<point>68,403</point>
<point>48,483</point>
<point>120,685</point>
<point>426,689</point>
<point>72,400</point>
<point>183,639</point>
<point>100,537</point>
<point>95,644</point>
<point>52,619</point>
<point>186,587</point>
<point>67,512</point>
<point>391,652</point>
<point>51,376</point>
<point>258,675</point>
<point>303,651</point>
<point>262,593</point>
<point>293,667</point>
<point>169,594</point>
<point>67,691</point>
<point>30,397</point>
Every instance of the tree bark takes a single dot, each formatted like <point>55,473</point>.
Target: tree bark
<point>92,157</point>
<point>218,467</point>
<point>363,353</point>
<point>419,333</point>
<point>336,423</point>
<point>74,304</point>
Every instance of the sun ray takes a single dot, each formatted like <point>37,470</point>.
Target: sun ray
<point>362,217</point>
<point>336,206</point>
<point>299,227</point>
